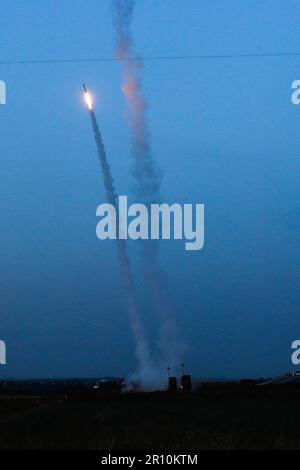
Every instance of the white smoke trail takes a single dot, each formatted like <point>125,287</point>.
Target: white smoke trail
<point>142,349</point>
<point>145,172</point>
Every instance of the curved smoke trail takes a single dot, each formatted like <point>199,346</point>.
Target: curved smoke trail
<point>142,349</point>
<point>146,174</point>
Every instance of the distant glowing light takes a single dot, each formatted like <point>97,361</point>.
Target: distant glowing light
<point>88,100</point>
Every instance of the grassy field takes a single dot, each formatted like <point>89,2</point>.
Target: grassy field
<point>150,422</point>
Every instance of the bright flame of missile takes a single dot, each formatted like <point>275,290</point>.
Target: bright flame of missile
<point>88,100</point>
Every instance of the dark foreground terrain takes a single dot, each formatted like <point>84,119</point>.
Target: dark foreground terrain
<point>149,422</point>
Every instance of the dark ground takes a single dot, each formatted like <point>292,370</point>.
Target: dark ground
<point>150,422</point>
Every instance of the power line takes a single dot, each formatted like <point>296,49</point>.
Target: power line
<point>152,58</point>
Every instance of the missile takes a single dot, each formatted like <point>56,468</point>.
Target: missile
<point>88,98</point>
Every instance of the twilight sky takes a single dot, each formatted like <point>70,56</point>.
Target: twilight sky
<point>224,132</point>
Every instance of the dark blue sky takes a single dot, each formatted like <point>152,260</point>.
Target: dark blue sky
<point>225,134</point>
